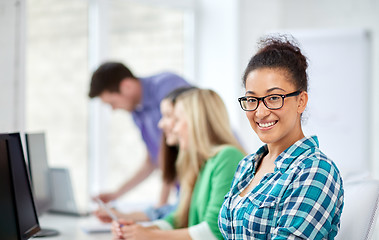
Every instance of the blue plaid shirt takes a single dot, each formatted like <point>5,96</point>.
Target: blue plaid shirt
<point>302,199</point>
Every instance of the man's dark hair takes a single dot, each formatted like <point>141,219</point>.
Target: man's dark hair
<point>107,77</point>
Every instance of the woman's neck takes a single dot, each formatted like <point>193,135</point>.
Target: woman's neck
<point>275,149</point>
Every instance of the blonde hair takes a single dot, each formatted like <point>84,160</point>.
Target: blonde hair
<point>208,132</point>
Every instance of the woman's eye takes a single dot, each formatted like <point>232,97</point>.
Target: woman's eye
<point>251,100</point>
<point>274,98</point>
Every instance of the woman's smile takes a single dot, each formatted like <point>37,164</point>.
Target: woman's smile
<point>266,125</point>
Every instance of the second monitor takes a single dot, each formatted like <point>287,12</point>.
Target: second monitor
<point>40,176</point>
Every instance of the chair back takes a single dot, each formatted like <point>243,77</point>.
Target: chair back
<point>360,210</point>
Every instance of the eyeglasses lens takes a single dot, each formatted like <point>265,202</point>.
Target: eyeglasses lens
<point>273,101</point>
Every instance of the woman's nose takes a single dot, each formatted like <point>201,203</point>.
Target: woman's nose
<point>262,111</point>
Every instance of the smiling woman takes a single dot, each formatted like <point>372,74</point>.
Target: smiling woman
<point>283,117</point>
<point>288,188</point>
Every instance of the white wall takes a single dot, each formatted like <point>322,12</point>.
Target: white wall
<point>12,32</point>
<point>338,110</point>
<point>217,50</point>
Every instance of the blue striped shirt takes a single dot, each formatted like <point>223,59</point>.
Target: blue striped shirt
<point>301,199</point>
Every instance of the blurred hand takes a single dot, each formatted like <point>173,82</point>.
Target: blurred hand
<point>118,228</point>
<point>106,197</point>
<point>138,232</point>
<point>103,216</point>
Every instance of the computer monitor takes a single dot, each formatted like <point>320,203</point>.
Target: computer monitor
<point>40,177</point>
<point>7,209</point>
<point>19,220</point>
<point>39,171</point>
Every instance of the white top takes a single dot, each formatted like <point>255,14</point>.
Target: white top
<point>201,231</point>
<point>236,200</point>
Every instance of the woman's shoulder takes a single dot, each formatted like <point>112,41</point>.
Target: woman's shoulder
<point>306,154</point>
<point>315,160</point>
<point>227,155</point>
<point>229,151</point>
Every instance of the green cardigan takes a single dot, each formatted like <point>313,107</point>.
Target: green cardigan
<point>211,185</point>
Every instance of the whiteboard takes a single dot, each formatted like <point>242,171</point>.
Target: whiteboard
<point>338,108</point>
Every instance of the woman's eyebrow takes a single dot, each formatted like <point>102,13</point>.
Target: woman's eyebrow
<point>275,88</point>
<point>268,91</point>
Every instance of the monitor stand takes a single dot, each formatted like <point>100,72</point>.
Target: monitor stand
<point>46,232</point>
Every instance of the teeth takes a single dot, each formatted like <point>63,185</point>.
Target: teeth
<point>265,125</point>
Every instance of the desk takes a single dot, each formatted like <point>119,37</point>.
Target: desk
<point>70,227</point>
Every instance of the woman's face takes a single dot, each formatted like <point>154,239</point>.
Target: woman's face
<point>181,126</point>
<point>166,123</point>
<point>280,126</point>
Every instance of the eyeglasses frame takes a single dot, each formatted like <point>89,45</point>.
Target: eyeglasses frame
<point>261,99</point>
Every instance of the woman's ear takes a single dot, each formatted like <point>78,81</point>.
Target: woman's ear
<point>302,103</point>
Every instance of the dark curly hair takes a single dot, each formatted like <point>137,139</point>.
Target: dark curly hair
<point>283,52</point>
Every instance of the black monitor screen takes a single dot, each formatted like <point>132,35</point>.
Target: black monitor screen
<point>7,211</point>
<point>26,213</point>
<point>39,171</point>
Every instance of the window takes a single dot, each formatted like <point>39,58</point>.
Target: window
<point>147,38</point>
<point>56,83</point>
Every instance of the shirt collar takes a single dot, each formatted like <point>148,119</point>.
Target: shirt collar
<point>258,157</point>
<point>284,160</point>
<point>146,99</point>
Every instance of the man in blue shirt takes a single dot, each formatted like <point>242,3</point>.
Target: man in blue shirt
<point>116,85</point>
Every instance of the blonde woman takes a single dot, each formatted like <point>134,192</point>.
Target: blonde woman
<point>208,157</point>
<point>167,158</point>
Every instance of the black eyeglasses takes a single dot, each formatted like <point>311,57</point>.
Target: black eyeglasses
<point>272,101</point>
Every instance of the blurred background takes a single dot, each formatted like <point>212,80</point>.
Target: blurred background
<point>49,49</point>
